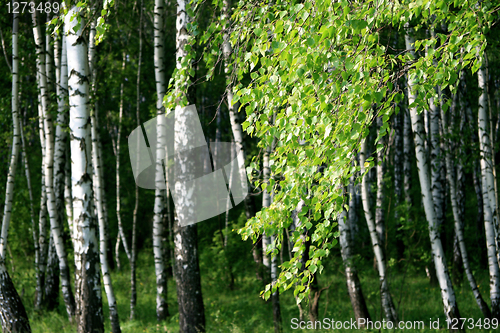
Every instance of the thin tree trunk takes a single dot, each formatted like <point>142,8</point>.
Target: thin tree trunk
<point>99,193</point>
<point>55,227</point>
<point>12,313</point>
<point>118,185</point>
<point>235,125</point>
<point>16,140</point>
<point>458,222</point>
<point>379,212</point>
<point>68,197</point>
<point>161,279</point>
<point>270,260</point>
<point>447,291</point>
<point>488,191</point>
<point>133,254</point>
<point>398,177</point>
<point>34,226</point>
<point>42,217</point>
<point>386,299</point>
<point>88,285</point>
<point>353,284</point>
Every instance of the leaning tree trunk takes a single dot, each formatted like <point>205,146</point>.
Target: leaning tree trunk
<point>99,195</point>
<point>159,204</point>
<point>55,227</point>
<point>12,313</point>
<point>447,291</point>
<point>89,312</point>
<point>488,191</point>
<point>385,295</point>
<point>187,270</point>
<point>16,141</point>
<point>353,284</point>
<point>458,222</point>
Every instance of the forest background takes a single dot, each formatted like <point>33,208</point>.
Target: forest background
<point>370,132</point>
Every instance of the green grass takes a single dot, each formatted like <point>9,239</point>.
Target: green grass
<point>242,310</point>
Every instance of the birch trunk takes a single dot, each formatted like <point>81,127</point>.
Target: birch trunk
<point>55,227</point>
<point>16,140</point>
<point>488,191</point>
<point>352,213</point>
<point>42,217</point>
<point>51,285</point>
<point>99,194</point>
<point>118,185</point>
<point>407,137</point>
<point>60,151</point>
<point>12,312</point>
<point>269,261</point>
<point>458,222</point>
<point>34,226</point>
<point>447,291</point>
<point>386,299</point>
<point>379,213</point>
<point>398,177</point>
<point>133,253</point>
<point>353,284</point>
<point>187,270</point>
<point>161,279</point>
<point>68,197</point>
<point>88,284</point>
<point>235,124</point>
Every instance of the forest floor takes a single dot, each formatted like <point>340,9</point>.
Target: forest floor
<point>242,310</point>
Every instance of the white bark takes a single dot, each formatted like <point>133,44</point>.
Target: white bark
<point>118,185</point>
<point>489,200</point>
<point>458,222</point>
<point>16,141</point>
<point>88,284</point>
<point>49,172</point>
<point>353,284</point>
<point>386,299</point>
<point>159,204</point>
<point>187,270</point>
<point>99,195</point>
<point>447,291</point>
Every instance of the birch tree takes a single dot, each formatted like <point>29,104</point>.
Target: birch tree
<point>12,312</point>
<point>447,291</point>
<point>99,192</point>
<point>488,192</point>
<point>353,284</point>
<point>386,299</point>
<point>133,250</point>
<point>55,228</point>
<point>161,279</point>
<point>16,140</point>
<point>88,285</point>
<point>187,271</point>
<point>233,118</point>
<point>452,185</point>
